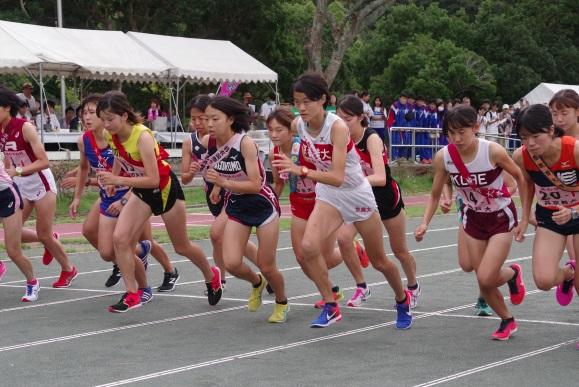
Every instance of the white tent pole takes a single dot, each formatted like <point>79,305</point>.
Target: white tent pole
<point>62,81</point>
<point>42,99</point>
<point>173,146</point>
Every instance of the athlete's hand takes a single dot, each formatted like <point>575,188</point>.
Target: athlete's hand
<point>214,177</point>
<point>194,167</point>
<point>445,205</point>
<point>115,208</point>
<point>562,215</point>
<point>68,182</point>
<point>284,164</point>
<point>533,220</point>
<point>73,208</point>
<point>520,230</point>
<point>420,231</point>
<point>107,178</point>
<point>215,195</point>
<point>9,167</point>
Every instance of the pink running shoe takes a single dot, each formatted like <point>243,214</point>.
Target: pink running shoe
<point>47,257</point>
<point>506,329</point>
<point>2,270</point>
<point>516,285</point>
<point>565,293</point>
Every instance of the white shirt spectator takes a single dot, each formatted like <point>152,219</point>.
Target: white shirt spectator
<point>50,122</point>
<point>267,108</point>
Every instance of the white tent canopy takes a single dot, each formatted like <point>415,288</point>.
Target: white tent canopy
<point>545,91</point>
<point>87,54</point>
<point>205,61</point>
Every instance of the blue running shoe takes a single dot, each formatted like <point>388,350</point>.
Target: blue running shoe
<point>404,314</point>
<point>146,295</point>
<point>146,247</point>
<point>330,314</point>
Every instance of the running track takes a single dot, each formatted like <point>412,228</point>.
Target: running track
<point>72,230</point>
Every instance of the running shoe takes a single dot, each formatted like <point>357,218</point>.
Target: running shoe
<point>360,295</point>
<point>330,314</point>
<point>403,313</point>
<point>214,290</point>
<point>31,292</point>
<point>564,294</point>
<point>47,256</point>
<point>66,278</point>
<point>362,256</point>
<point>338,296</point>
<point>169,281</point>
<point>146,295</point>
<point>506,329</point>
<point>279,314</point>
<point>269,289</point>
<point>482,309</point>
<point>114,278</point>
<point>146,247</point>
<point>127,302</point>
<point>254,301</point>
<point>2,270</point>
<point>516,285</point>
<point>414,294</point>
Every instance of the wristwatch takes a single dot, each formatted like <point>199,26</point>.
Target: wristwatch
<point>574,214</point>
<point>124,201</point>
<point>18,171</point>
<point>305,171</point>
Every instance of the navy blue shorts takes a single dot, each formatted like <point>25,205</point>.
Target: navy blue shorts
<point>106,201</point>
<point>252,210</point>
<point>10,199</point>
<point>545,220</point>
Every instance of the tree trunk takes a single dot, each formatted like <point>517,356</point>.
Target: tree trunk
<point>360,15</point>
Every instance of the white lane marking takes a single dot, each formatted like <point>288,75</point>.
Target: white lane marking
<point>12,285</point>
<point>117,329</point>
<point>497,364</point>
<point>268,350</point>
<point>519,320</point>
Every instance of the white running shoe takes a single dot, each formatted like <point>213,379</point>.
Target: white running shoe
<point>31,292</point>
<point>360,295</point>
<point>414,294</point>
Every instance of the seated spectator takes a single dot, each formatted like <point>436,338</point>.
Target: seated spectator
<point>267,108</point>
<point>76,122</point>
<point>69,115</point>
<point>49,121</point>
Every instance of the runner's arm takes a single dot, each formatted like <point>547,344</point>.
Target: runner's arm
<point>375,148</point>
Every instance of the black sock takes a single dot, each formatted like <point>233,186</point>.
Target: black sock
<point>509,319</point>
<point>332,304</point>
<point>413,287</point>
<point>336,289</point>
<point>403,301</point>
<point>281,302</point>
<point>258,284</point>
<point>223,281</point>
<point>362,285</point>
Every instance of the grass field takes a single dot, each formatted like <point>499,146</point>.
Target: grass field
<point>410,183</point>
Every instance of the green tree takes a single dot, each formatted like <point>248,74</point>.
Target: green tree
<point>435,68</point>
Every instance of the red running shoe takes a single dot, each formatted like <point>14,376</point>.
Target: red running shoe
<point>338,296</point>
<point>66,278</point>
<point>128,301</point>
<point>506,329</point>
<point>362,256</point>
<point>47,257</point>
<point>516,285</point>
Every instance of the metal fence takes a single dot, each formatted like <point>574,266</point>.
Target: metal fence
<point>410,143</point>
